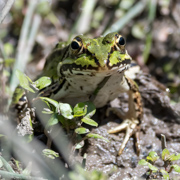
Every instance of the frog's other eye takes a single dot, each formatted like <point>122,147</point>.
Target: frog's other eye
<point>122,41</point>
<point>76,43</point>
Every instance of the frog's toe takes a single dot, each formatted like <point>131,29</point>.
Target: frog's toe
<point>131,128</point>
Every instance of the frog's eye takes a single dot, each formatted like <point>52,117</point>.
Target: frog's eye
<point>122,41</point>
<point>76,43</point>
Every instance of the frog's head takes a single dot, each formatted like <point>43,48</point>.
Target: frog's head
<point>88,56</point>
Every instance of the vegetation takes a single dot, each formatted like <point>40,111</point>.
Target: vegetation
<point>168,163</point>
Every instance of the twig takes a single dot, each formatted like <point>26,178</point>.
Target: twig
<point>163,141</point>
<point>5,10</point>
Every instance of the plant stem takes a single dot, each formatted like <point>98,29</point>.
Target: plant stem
<point>5,10</point>
<point>163,141</point>
<point>26,41</point>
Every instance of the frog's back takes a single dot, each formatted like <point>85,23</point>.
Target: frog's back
<point>52,61</point>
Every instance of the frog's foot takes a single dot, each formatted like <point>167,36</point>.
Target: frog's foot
<point>131,127</point>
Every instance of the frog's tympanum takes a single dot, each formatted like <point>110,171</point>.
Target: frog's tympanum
<point>77,69</point>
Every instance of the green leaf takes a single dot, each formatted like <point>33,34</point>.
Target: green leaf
<point>91,109</point>
<point>153,168</point>
<point>165,154</point>
<point>176,168</point>
<point>80,109</point>
<point>96,136</point>
<point>143,162</point>
<point>165,174</point>
<point>153,155</point>
<point>24,81</point>
<point>53,120</point>
<point>50,153</point>
<point>174,157</point>
<point>51,101</point>
<point>79,145</point>
<point>66,110</point>
<point>81,130</point>
<point>61,119</point>
<point>148,158</point>
<point>42,82</point>
<point>89,121</point>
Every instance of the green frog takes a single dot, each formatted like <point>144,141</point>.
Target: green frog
<point>88,68</point>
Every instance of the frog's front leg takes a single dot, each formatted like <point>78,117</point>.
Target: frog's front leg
<point>132,119</point>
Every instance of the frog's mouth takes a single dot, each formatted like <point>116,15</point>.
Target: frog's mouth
<point>68,69</point>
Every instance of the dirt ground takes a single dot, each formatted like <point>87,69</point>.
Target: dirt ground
<point>103,156</point>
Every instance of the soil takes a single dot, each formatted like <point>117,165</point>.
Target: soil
<point>103,156</point>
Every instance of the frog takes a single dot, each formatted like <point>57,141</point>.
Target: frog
<point>93,69</point>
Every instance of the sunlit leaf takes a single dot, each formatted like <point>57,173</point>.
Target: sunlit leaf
<point>176,168</point>
<point>80,109</point>
<point>42,82</point>
<point>50,153</point>
<point>165,154</point>
<point>153,155</point>
<point>96,136</point>
<point>24,81</point>
<point>165,174</point>
<point>143,162</point>
<point>153,168</point>
<point>174,157</point>
<point>148,158</point>
<point>89,121</point>
<point>81,130</point>
<point>51,101</point>
<point>66,110</point>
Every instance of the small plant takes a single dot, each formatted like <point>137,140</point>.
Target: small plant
<point>80,173</point>
<point>70,118</point>
<point>168,165</point>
